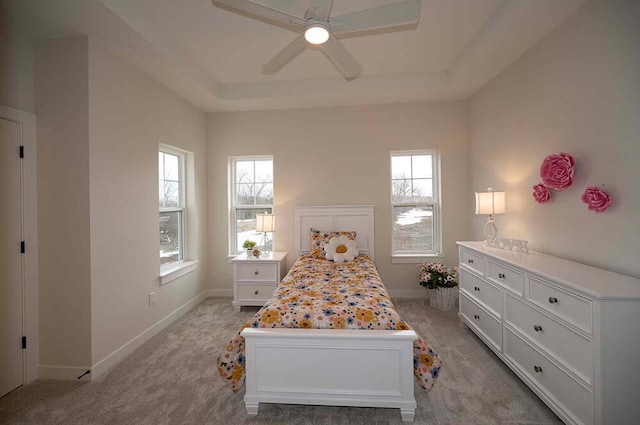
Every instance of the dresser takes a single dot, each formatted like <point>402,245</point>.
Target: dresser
<point>570,331</point>
<point>255,278</point>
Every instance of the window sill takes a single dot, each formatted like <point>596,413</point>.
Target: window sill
<point>414,258</point>
<point>175,271</point>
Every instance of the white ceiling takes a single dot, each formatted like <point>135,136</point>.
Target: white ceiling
<point>213,57</point>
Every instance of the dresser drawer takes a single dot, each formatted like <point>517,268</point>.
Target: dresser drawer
<point>481,321</point>
<point>482,291</point>
<point>472,260</point>
<point>570,307</point>
<point>570,348</point>
<point>255,292</point>
<point>576,400</point>
<point>258,272</point>
<point>505,276</point>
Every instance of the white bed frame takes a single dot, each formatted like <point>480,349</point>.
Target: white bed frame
<point>331,367</point>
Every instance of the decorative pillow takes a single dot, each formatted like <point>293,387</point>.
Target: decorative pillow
<point>319,239</point>
<point>341,248</point>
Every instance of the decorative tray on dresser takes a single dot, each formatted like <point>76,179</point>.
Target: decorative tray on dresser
<point>570,331</point>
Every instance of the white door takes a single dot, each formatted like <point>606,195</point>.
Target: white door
<point>11,367</point>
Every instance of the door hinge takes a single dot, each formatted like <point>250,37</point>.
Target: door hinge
<point>24,342</point>
<point>21,151</point>
<point>22,247</point>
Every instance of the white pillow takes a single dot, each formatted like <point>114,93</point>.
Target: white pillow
<point>341,248</point>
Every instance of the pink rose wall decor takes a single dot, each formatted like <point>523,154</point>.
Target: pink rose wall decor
<point>596,199</point>
<point>556,171</point>
<point>541,193</point>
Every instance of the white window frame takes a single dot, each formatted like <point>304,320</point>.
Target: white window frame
<point>420,256</point>
<point>176,269</point>
<point>231,168</point>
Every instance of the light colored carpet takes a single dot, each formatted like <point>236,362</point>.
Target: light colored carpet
<point>173,380</point>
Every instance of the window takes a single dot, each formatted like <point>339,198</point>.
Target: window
<point>171,177</point>
<point>415,204</point>
<point>250,193</point>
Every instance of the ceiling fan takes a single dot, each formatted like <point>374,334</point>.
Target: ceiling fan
<point>319,28</point>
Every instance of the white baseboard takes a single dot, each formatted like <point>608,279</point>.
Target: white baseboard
<point>408,293</point>
<point>220,293</point>
<point>68,373</point>
<point>118,355</point>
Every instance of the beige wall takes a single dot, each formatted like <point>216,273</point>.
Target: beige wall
<point>16,72</point>
<point>577,91</point>
<point>62,108</point>
<point>130,114</point>
<point>100,122</point>
<point>339,156</point>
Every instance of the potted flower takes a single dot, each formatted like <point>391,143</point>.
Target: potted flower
<point>441,282</point>
<point>249,245</point>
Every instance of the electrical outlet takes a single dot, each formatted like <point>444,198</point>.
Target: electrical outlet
<point>152,298</point>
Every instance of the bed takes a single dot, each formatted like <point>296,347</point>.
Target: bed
<point>330,335</point>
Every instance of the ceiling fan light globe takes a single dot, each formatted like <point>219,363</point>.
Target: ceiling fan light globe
<point>316,34</point>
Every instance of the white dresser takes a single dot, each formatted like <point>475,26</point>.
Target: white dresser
<point>255,278</point>
<point>571,332</point>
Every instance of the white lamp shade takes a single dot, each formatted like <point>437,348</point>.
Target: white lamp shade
<point>490,203</point>
<point>265,223</point>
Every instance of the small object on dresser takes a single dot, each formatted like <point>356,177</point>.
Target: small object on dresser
<point>441,282</point>
<point>256,252</point>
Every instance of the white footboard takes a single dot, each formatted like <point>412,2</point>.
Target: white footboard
<point>330,367</point>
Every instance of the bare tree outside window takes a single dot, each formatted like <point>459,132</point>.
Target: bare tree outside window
<point>252,186</point>
<point>171,204</point>
<point>413,200</point>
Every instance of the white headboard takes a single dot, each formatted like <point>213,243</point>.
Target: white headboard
<point>336,218</point>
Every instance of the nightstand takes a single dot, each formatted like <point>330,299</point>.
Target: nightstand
<point>255,278</point>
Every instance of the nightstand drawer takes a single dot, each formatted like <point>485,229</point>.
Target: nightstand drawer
<point>572,308</point>
<point>258,272</point>
<point>482,291</point>
<point>258,292</point>
<point>571,349</point>
<point>472,261</point>
<point>505,276</point>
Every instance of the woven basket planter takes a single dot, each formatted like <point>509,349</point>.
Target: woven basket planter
<point>443,298</point>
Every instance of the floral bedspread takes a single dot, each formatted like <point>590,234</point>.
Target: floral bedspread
<point>318,293</point>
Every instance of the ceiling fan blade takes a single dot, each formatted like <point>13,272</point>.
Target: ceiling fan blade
<point>389,17</point>
<point>285,55</point>
<point>340,57</point>
<point>263,13</point>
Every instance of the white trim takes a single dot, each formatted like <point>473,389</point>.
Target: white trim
<point>118,355</point>
<point>231,191</point>
<point>176,270</point>
<point>436,203</point>
<point>30,310</point>
<point>220,293</point>
<point>69,373</point>
<point>415,259</point>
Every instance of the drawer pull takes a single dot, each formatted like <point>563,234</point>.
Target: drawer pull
<point>256,292</point>
<point>537,369</point>
<point>470,261</point>
<point>475,288</point>
<point>537,328</point>
<point>256,272</point>
<point>475,316</point>
<point>501,275</point>
<point>553,300</point>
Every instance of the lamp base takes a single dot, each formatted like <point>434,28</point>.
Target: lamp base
<point>490,232</point>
